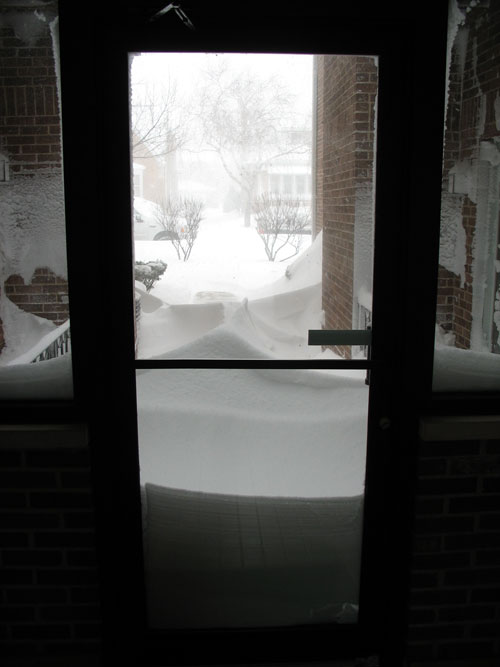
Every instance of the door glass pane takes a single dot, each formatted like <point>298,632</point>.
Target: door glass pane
<point>35,359</point>
<point>252,481</point>
<point>236,254</point>
<point>252,487</point>
<point>467,355</point>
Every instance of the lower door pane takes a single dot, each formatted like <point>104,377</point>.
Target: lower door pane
<point>252,486</point>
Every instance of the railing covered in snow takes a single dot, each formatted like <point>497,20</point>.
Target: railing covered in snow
<point>57,347</point>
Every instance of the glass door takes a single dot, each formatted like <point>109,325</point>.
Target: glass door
<point>253,207</point>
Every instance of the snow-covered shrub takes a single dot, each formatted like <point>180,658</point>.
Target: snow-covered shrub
<point>180,219</point>
<point>281,221</point>
<point>148,273</point>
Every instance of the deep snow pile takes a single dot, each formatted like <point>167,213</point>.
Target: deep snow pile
<point>234,315</point>
<point>48,380</point>
<point>465,370</point>
<point>253,432</point>
<point>28,336</point>
<point>23,332</point>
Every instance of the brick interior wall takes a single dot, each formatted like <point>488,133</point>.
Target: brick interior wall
<point>455,590</point>
<point>49,592</point>
<point>30,136</point>
<point>473,88</point>
<point>347,88</point>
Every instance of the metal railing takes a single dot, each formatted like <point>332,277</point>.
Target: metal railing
<point>57,348</point>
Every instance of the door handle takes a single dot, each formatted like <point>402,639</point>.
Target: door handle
<point>340,337</point>
<point>362,337</point>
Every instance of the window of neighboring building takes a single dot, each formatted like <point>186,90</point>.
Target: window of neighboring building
<point>300,184</point>
<point>274,182</point>
<point>288,184</point>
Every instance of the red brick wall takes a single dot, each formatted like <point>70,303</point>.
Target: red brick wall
<point>30,127</point>
<point>347,88</point>
<point>46,295</point>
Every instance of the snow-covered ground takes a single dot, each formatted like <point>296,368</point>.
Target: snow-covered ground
<point>228,295</point>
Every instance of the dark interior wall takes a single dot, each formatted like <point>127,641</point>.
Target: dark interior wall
<point>49,575</point>
<point>455,572</point>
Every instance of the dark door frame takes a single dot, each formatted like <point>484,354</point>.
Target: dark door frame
<point>94,64</point>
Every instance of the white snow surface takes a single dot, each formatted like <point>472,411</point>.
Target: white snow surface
<point>452,250</point>
<point>458,370</point>
<point>27,336</point>
<point>32,231</point>
<point>50,379</point>
<point>23,331</point>
<point>253,432</point>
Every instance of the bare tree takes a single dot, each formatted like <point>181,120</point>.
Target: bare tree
<point>158,119</point>
<point>244,119</point>
<point>281,221</point>
<point>180,219</point>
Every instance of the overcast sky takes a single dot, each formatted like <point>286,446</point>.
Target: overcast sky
<point>185,69</point>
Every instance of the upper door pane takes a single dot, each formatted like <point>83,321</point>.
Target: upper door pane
<point>35,360</point>
<point>253,202</point>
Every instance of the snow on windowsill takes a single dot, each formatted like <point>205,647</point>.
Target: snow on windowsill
<point>457,370</point>
<point>47,380</point>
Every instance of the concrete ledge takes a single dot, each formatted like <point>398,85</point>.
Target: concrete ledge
<point>467,427</point>
<point>43,436</point>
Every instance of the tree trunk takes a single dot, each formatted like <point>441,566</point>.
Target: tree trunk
<point>247,206</point>
<point>248,210</point>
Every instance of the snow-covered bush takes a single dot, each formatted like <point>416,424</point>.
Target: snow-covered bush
<point>180,219</point>
<point>281,221</point>
<point>148,273</point>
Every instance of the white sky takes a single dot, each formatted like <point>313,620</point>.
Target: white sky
<point>185,69</point>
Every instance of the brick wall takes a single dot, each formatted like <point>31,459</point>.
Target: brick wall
<point>455,591</point>
<point>46,295</point>
<point>347,88</point>
<point>30,128</point>
<point>49,593</point>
